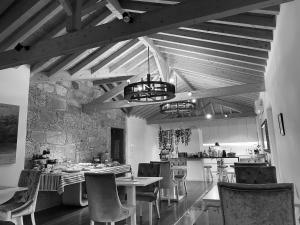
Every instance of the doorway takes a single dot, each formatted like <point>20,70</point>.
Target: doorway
<point>117,145</point>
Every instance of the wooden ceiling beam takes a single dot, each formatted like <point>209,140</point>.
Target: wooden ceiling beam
<point>90,21</point>
<point>184,80</point>
<point>66,60</point>
<point>30,27</point>
<point>235,31</point>
<point>74,20</point>
<point>250,20</point>
<point>198,118</point>
<point>184,14</point>
<point>212,71</point>
<point>238,107</point>
<point>124,49</point>
<point>111,80</point>
<point>88,59</point>
<point>222,39</point>
<point>273,10</point>
<point>161,63</point>
<point>212,46</point>
<point>211,53</point>
<point>213,92</point>
<point>66,4</point>
<point>219,62</point>
<point>129,57</point>
<point>17,14</point>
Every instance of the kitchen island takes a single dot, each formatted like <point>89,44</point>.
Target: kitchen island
<point>195,166</point>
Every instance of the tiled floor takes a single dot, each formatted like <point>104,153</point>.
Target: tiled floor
<point>185,212</point>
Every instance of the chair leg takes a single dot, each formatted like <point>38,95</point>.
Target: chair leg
<point>141,210</point>
<point>19,220</point>
<point>32,219</point>
<point>184,184</point>
<point>177,193</point>
<point>150,207</point>
<point>169,196</point>
<point>112,223</point>
<point>212,178</point>
<point>157,208</point>
<point>92,222</point>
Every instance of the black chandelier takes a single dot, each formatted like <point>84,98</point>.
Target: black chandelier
<point>180,107</point>
<point>148,90</point>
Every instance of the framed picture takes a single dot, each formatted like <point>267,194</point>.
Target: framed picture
<point>9,119</point>
<point>265,136</point>
<point>281,124</point>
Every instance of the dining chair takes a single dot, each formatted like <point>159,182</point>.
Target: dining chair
<point>104,202</point>
<point>150,192</point>
<point>167,183</point>
<point>249,164</point>
<point>257,204</point>
<point>180,173</point>
<point>23,202</point>
<point>255,174</point>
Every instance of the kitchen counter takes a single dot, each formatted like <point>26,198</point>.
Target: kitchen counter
<point>192,158</point>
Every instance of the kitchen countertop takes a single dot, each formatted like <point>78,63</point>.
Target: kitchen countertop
<point>191,158</point>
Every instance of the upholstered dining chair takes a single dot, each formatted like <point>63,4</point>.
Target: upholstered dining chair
<point>149,193</point>
<point>23,202</point>
<point>104,202</point>
<point>255,174</point>
<point>167,183</point>
<point>257,204</point>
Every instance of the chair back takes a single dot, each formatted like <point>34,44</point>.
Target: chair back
<point>261,204</point>
<point>255,174</point>
<point>31,180</point>
<point>165,173</point>
<point>104,202</point>
<point>148,170</point>
<point>182,162</point>
<point>250,164</point>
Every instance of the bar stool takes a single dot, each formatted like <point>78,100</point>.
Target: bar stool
<point>223,175</point>
<point>208,173</point>
<point>231,174</point>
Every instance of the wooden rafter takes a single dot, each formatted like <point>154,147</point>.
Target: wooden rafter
<point>214,92</point>
<point>191,12</point>
<point>213,46</point>
<point>111,80</point>
<point>197,118</point>
<point>234,106</point>
<point>229,40</point>
<point>161,63</point>
<point>113,56</point>
<point>211,53</point>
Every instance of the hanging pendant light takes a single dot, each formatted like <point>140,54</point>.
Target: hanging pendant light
<point>179,108</point>
<point>149,90</point>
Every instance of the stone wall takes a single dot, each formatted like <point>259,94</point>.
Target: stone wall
<point>56,122</point>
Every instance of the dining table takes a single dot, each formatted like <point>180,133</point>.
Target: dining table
<point>131,183</point>
<point>7,192</point>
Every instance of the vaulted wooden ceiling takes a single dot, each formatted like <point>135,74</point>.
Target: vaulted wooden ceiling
<point>217,50</point>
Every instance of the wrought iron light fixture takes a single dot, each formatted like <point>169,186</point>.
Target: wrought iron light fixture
<point>149,90</point>
<point>180,107</point>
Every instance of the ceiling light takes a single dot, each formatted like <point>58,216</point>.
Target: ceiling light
<point>128,81</point>
<point>172,80</point>
<point>208,116</point>
<point>190,94</point>
<point>149,90</point>
<point>225,115</point>
<point>194,100</point>
<point>179,107</point>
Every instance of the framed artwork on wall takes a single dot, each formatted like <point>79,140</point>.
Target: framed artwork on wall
<point>281,124</point>
<point>9,120</point>
<point>265,136</point>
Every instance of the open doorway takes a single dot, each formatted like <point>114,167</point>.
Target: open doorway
<point>117,145</point>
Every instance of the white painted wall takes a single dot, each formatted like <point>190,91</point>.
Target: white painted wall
<point>283,91</point>
<point>140,147</point>
<point>14,89</point>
